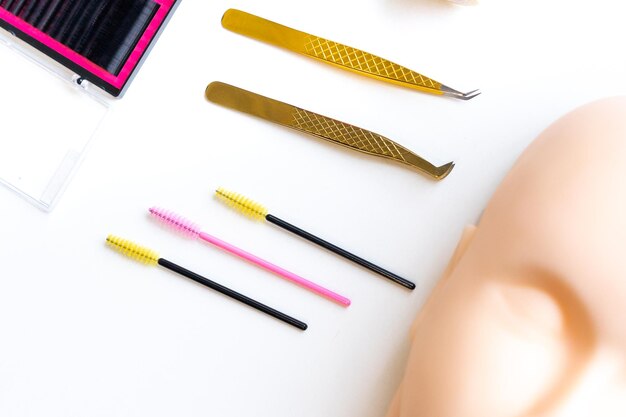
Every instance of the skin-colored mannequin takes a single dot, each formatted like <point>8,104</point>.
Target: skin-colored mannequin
<point>529,319</point>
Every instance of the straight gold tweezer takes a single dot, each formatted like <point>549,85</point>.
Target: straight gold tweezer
<point>334,53</point>
<point>332,130</point>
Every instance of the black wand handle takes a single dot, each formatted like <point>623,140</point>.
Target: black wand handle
<point>341,252</point>
<point>232,294</point>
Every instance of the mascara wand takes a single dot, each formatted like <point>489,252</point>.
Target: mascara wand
<point>258,212</point>
<point>192,230</point>
<point>150,257</point>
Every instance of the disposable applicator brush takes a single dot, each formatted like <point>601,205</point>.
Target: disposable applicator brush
<point>150,257</point>
<point>192,230</point>
<point>258,212</point>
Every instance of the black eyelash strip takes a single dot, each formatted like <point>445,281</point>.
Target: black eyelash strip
<point>103,31</point>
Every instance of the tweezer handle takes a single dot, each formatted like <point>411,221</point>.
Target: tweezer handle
<point>329,129</point>
<point>325,50</point>
<point>359,139</point>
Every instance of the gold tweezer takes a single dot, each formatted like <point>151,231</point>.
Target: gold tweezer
<point>323,127</point>
<point>334,53</point>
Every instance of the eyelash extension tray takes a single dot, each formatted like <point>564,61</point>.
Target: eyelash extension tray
<point>64,62</point>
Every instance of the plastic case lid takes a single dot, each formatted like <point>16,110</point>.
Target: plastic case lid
<point>48,116</point>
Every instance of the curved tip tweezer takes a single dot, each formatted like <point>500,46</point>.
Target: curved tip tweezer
<point>447,91</point>
<point>441,172</point>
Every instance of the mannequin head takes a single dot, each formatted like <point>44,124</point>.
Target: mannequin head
<point>529,319</point>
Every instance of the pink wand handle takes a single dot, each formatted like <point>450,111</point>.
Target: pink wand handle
<point>276,269</point>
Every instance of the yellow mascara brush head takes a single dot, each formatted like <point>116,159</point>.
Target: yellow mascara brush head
<point>243,204</point>
<point>133,250</point>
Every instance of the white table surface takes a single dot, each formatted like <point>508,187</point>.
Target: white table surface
<point>85,332</point>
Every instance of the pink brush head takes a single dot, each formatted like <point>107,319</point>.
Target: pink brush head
<point>183,225</point>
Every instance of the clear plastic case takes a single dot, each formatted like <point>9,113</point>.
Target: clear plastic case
<point>62,65</point>
<point>48,116</point>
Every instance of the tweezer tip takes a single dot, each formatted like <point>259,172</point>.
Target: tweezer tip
<point>443,171</point>
<point>470,95</point>
<point>457,94</point>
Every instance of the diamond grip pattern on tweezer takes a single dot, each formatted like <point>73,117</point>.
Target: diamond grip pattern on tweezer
<point>358,60</point>
<point>348,135</point>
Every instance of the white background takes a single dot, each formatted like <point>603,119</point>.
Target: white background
<point>85,332</point>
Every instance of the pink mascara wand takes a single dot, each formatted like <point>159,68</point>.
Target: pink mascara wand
<point>192,230</point>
